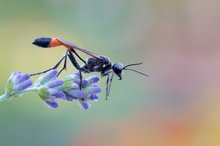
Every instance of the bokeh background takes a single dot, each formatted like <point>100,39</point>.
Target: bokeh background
<point>178,41</point>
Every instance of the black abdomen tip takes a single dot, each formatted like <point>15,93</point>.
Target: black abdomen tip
<point>43,42</point>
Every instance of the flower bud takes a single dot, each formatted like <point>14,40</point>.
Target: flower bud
<point>17,82</point>
<point>88,92</point>
<point>49,88</point>
<point>52,74</point>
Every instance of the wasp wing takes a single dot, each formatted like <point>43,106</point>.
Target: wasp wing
<point>71,45</point>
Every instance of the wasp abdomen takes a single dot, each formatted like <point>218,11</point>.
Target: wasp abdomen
<point>42,42</point>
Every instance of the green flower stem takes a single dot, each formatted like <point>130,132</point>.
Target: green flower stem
<point>34,89</point>
<point>5,96</point>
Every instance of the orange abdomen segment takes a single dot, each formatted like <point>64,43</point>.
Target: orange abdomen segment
<point>55,42</point>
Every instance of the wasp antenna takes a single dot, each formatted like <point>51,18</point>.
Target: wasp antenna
<point>133,64</point>
<point>137,72</point>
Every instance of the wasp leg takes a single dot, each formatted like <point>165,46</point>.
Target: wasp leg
<point>107,87</point>
<point>80,71</point>
<point>109,84</point>
<point>64,65</point>
<point>80,77</point>
<point>74,62</point>
<point>78,56</point>
<point>55,67</point>
<point>107,73</point>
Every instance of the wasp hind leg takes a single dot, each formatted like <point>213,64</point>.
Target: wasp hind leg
<point>76,65</point>
<point>55,67</point>
<point>64,65</point>
<point>78,56</point>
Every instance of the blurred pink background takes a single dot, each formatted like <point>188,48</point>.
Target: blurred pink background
<point>183,54</point>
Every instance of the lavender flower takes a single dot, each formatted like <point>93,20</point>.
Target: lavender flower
<point>71,87</point>
<point>91,90</point>
<point>17,83</point>
<point>48,88</point>
<point>52,74</point>
<point>87,94</point>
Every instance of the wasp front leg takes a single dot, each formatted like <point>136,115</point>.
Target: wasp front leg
<point>108,85</point>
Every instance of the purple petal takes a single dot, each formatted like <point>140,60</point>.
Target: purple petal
<point>76,74</point>
<point>17,78</point>
<point>93,89</point>
<point>25,77</point>
<point>49,75</point>
<point>56,93</point>
<point>92,79</point>
<point>51,104</point>
<point>93,97</point>
<point>54,83</point>
<point>84,83</point>
<point>14,74</point>
<point>59,94</point>
<point>52,91</point>
<point>77,81</point>
<point>77,93</point>
<point>96,90</point>
<point>84,104</point>
<point>69,97</point>
<point>24,85</point>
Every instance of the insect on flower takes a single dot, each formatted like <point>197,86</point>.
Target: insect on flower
<point>96,63</point>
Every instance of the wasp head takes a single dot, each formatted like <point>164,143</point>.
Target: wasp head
<point>118,68</point>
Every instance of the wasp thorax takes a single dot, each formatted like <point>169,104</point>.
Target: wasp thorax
<point>117,68</point>
<point>105,60</point>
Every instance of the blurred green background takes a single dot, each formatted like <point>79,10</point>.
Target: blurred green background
<point>178,41</point>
